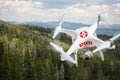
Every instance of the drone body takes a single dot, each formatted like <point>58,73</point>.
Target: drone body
<point>84,37</point>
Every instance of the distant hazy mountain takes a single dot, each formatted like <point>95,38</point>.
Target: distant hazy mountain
<point>12,22</point>
<point>1,21</point>
<point>103,29</point>
<point>71,25</point>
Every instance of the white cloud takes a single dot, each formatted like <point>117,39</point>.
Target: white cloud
<point>22,6</point>
<point>79,12</point>
<point>91,2</point>
<point>116,9</point>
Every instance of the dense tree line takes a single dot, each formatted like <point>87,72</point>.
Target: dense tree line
<point>25,54</point>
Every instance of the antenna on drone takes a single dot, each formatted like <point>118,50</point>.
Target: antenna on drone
<point>99,19</point>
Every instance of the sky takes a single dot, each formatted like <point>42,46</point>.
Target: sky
<point>81,11</point>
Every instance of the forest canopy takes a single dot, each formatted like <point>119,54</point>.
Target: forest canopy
<point>25,54</point>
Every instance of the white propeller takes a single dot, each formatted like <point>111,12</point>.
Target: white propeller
<point>107,44</point>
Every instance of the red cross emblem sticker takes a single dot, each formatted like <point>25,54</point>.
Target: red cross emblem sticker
<point>83,34</point>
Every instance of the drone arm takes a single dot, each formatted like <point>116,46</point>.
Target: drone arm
<point>92,28</point>
<point>115,37</point>
<point>58,28</point>
<point>63,55</point>
<point>107,44</point>
<point>96,41</point>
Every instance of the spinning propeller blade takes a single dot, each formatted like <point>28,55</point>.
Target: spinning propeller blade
<point>101,18</point>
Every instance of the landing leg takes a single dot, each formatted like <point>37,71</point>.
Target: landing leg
<point>76,58</point>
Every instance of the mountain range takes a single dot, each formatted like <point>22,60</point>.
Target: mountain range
<point>102,29</point>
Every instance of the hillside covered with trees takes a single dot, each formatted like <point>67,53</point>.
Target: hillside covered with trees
<point>25,54</point>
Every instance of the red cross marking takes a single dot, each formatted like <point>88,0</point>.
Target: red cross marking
<point>83,34</point>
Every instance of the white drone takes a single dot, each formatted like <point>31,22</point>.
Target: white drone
<point>84,37</point>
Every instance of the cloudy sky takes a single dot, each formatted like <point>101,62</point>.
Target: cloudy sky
<point>84,11</point>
